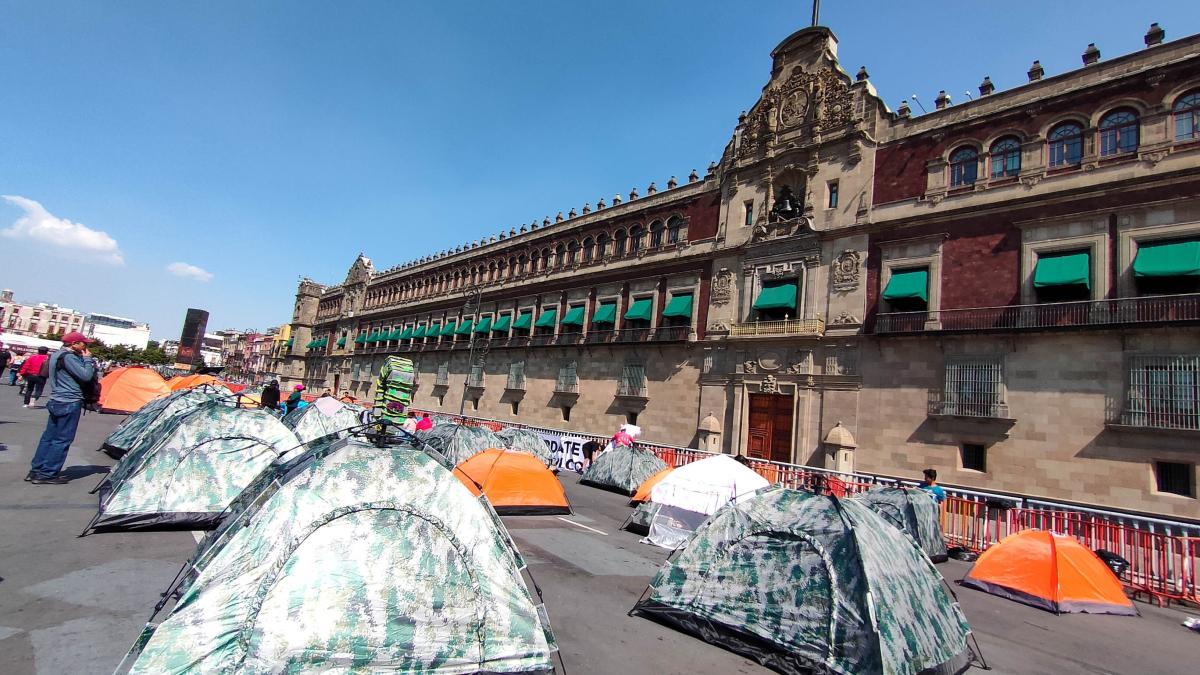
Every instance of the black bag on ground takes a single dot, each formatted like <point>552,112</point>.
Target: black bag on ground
<point>1116,563</point>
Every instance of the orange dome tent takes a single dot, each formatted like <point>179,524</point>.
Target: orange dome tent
<point>643,491</point>
<point>1049,571</point>
<point>516,483</point>
<point>125,390</point>
<point>189,381</point>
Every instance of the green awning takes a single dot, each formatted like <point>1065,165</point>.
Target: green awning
<point>323,342</point>
<point>1064,269</point>
<point>448,329</point>
<point>640,310</point>
<point>341,341</point>
<point>574,316</point>
<point>406,333</point>
<point>464,328</point>
<point>484,325</point>
<point>524,321</point>
<point>501,325</point>
<point>419,331</point>
<point>779,295</point>
<point>372,336</point>
<point>606,314</point>
<point>680,307</point>
<point>907,285</point>
<point>547,319</point>
<point>361,338</point>
<point>1168,259</point>
<point>396,333</point>
<point>434,329</point>
<point>311,344</point>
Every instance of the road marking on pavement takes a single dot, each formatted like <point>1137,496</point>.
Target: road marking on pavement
<point>590,529</point>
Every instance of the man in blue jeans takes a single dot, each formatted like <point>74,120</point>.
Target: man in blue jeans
<point>70,368</point>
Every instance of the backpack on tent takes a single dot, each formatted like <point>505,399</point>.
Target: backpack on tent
<point>622,469</point>
<point>353,558</point>
<point>193,470</point>
<point>912,511</point>
<point>394,388</point>
<point>805,583</point>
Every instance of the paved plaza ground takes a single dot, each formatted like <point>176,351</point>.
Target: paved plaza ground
<point>71,605</point>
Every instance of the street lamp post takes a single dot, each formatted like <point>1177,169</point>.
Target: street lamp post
<point>477,353</point>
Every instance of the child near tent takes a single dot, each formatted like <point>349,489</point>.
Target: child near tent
<point>930,485</point>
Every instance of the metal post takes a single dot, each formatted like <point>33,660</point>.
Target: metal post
<point>471,306</point>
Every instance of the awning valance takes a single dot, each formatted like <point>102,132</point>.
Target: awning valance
<point>502,323</point>
<point>361,338</point>
<point>679,307</point>
<point>406,334</point>
<point>778,295</point>
<point>448,329</point>
<point>1168,259</point>
<point>484,325</point>
<point>464,328</point>
<point>640,310</point>
<point>606,314</point>
<point>548,318</point>
<point>419,331</point>
<point>1063,269</point>
<point>574,316</point>
<point>908,285</point>
<point>341,341</point>
<point>524,321</point>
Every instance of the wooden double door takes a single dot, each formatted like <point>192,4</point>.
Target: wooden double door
<point>770,427</point>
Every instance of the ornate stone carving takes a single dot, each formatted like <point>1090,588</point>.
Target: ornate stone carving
<point>769,361</point>
<point>722,287</point>
<point>1154,157</point>
<point>750,367</point>
<point>847,270</point>
<point>793,106</point>
<point>845,319</point>
<point>1030,182</point>
<point>769,385</point>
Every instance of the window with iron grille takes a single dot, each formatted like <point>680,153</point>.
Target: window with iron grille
<point>475,378</point>
<point>568,378</point>
<point>516,375</point>
<point>974,387</point>
<point>633,380</point>
<point>1175,478</point>
<point>1164,392</point>
<point>443,376</point>
<point>841,362</point>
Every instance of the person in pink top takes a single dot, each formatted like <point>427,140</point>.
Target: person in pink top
<point>425,424</point>
<point>34,371</point>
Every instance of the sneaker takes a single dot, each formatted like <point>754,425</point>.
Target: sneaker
<point>51,480</point>
<point>26,405</point>
<point>28,476</point>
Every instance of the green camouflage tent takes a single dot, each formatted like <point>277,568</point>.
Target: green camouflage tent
<point>324,416</point>
<point>805,583</point>
<point>913,512</point>
<point>193,470</point>
<point>460,442</point>
<point>147,420</point>
<point>394,388</point>
<point>622,469</point>
<point>355,559</point>
<point>527,441</point>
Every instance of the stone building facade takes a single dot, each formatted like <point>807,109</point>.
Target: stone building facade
<point>1000,289</point>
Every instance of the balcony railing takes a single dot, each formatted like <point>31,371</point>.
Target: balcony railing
<point>543,339</point>
<point>515,383</point>
<point>672,333</point>
<point>631,389</point>
<point>812,327</point>
<point>633,335</point>
<point>566,386</point>
<point>967,404</point>
<point>1118,311</point>
<point>569,338</point>
<point>601,337</point>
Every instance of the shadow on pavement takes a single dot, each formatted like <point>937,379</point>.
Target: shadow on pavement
<point>83,471</point>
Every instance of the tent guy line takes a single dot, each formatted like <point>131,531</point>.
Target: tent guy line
<point>590,529</point>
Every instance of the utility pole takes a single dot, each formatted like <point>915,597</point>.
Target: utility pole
<point>816,12</point>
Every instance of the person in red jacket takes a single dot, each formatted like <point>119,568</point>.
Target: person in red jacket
<point>425,424</point>
<point>34,371</point>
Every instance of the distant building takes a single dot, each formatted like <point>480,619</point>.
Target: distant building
<point>210,350</point>
<point>37,319</point>
<point>114,330</point>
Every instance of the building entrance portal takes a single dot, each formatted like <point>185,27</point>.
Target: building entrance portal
<point>770,427</point>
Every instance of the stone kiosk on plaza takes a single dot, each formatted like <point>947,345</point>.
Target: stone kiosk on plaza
<point>848,286</point>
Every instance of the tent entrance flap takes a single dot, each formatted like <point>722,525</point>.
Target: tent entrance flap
<point>912,284</point>
<point>1063,269</point>
<point>780,295</point>
<point>1168,259</point>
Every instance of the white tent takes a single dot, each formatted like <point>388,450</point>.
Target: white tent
<point>695,491</point>
<point>27,343</point>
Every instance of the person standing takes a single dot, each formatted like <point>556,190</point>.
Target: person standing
<point>425,424</point>
<point>35,371</point>
<point>71,368</point>
<point>5,357</point>
<point>14,365</point>
<point>930,485</point>
<point>269,398</point>
<point>294,399</point>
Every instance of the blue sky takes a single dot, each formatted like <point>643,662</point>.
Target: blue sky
<point>257,142</point>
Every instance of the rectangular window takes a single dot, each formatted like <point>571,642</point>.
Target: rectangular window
<point>631,418</point>
<point>475,379</point>
<point>566,413</point>
<point>1175,478</point>
<point>516,407</point>
<point>974,457</point>
<point>633,380</point>
<point>1164,392</point>
<point>568,378</point>
<point>833,194</point>
<point>749,210</point>
<point>516,375</point>
<point>974,387</point>
<point>443,375</point>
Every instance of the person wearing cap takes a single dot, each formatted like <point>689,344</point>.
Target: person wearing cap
<point>71,368</point>
<point>294,399</point>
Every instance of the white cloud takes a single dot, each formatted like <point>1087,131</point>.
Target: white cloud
<point>40,225</point>
<point>182,269</point>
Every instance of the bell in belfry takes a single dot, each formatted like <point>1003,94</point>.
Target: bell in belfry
<point>786,205</point>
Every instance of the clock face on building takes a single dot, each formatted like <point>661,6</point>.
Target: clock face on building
<point>793,107</point>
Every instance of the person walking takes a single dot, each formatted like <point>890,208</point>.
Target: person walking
<point>14,365</point>
<point>71,368</point>
<point>35,371</point>
<point>269,398</point>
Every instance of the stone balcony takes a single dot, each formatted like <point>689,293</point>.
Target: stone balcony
<point>784,328</point>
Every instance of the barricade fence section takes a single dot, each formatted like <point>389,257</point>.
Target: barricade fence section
<point>1163,555</point>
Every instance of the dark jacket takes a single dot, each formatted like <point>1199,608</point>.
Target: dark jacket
<point>270,397</point>
<point>293,400</point>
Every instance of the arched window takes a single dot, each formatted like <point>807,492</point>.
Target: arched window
<point>523,263</point>
<point>545,259</point>
<point>491,271</point>
<point>1187,116</point>
<point>512,267</point>
<point>1006,157</point>
<point>619,248</point>
<point>601,244</point>
<point>572,252</point>
<point>560,255</point>
<point>964,167</point>
<point>1065,144</point>
<point>674,230</point>
<point>635,238</point>
<point>1118,132</point>
<point>588,248</point>
<point>656,234</point>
